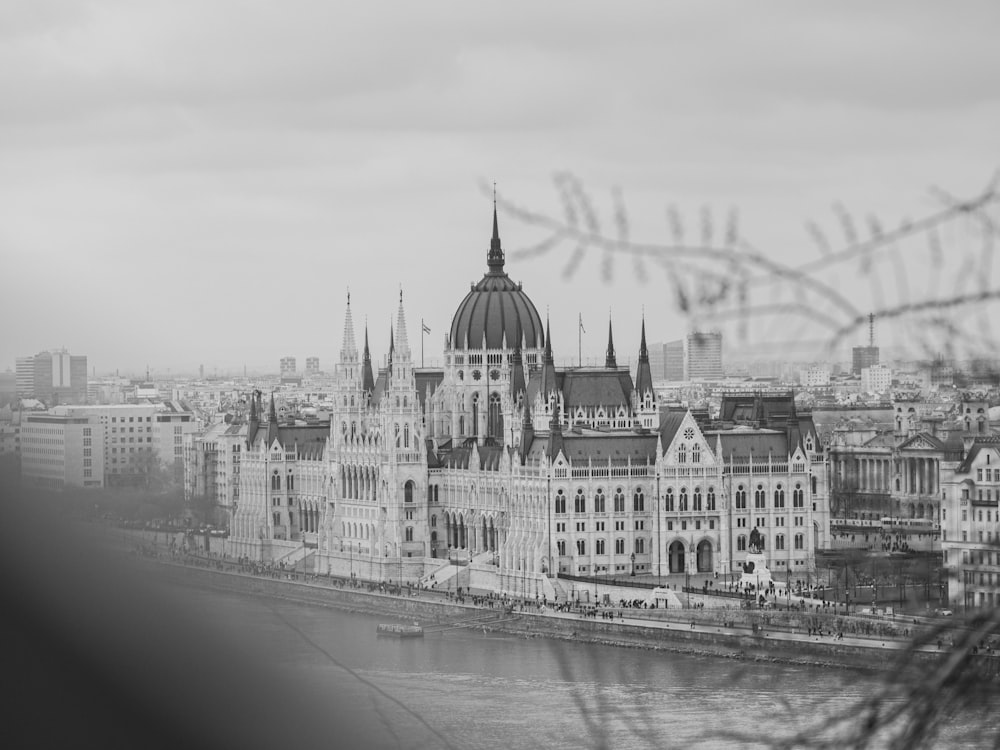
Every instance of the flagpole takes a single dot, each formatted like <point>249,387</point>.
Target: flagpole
<point>579,342</point>
<point>422,329</point>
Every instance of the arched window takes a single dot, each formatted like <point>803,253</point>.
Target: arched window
<point>779,497</point>
<point>619,500</point>
<point>580,502</point>
<point>741,498</point>
<point>798,497</point>
<point>638,501</point>
<point>779,542</point>
<point>409,533</point>
<point>560,502</point>
<point>599,547</point>
<point>561,547</point>
<point>696,454</point>
<point>408,491</point>
<point>668,500</point>
<point>581,547</point>
<point>696,499</point>
<point>599,501</point>
<point>406,435</point>
<point>741,543</point>
<point>758,496</point>
<point>640,546</point>
<point>434,521</point>
<point>681,454</point>
<point>682,504</point>
<point>710,499</point>
<point>494,428</point>
<point>276,480</point>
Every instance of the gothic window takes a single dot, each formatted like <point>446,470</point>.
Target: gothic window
<point>683,499</point>
<point>638,501</point>
<point>276,481</point>
<point>599,547</point>
<point>779,542</point>
<point>779,497</point>
<point>741,498</point>
<point>408,491</point>
<point>291,482</point>
<point>561,547</point>
<point>758,497</point>
<point>435,493</point>
<point>409,533</point>
<point>406,436</point>
<point>599,501</point>
<point>696,454</point>
<point>741,543</point>
<point>495,417</point>
<point>579,502</point>
<point>475,414</point>
<point>434,521</point>
<point>352,399</point>
<point>619,546</point>
<point>669,500</point>
<point>619,500</point>
<point>640,546</point>
<point>799,541</point>
<point>560,502</point>
<point>581,547</point>
<point>798,497</point>
<point>681,454</point>
<point>696,498</point>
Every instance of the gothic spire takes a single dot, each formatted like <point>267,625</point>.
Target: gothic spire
<point>367,376</point>
<point>272,423</point>
<point>517,379</point>
<point>643,377</point>
<point>494,259</point>
<point>349,349</point>
<point>402,342</point>
<point>548,384</point>
<point>609,360</point>
<point>555,443</point>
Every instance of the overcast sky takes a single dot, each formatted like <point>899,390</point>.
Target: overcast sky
<point>187,183</point>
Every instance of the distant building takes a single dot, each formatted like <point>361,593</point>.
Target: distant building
<point>55,377</point>
<point>673,353</point>
<point>212,468</point>
<point>862,357</point>
<point>876,379</point>
<point>312,365</point>
<point>287,367</point>
<point>62,450</point>
<point>704,356</point>
<point>815,377</point>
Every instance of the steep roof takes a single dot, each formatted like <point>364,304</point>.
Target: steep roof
<point>980,444</point>
<point>605,387</point>
<point>758,444</point>
<point>670,423</point>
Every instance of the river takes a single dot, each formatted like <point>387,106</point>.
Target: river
<point>470,689</point>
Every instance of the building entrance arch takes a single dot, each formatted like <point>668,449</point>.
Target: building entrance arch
<point>675,557</point>
<point>705,556</point>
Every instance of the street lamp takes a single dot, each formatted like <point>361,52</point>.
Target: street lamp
<point>632,559</point>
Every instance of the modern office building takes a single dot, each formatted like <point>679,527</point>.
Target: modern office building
<point>287,367</point>
<point>704,356</point>
<point>312,365</point>
<point>62,449</point>
<point>862,357</point>
<point>54,377</point>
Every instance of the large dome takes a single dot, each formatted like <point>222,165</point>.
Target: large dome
<point>494,307</point>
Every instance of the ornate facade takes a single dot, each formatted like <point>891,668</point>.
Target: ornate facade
<point>522,471</point>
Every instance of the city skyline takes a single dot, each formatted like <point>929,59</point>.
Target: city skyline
<point>158,201</point>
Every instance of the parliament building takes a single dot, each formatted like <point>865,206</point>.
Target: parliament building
<point>520,472</point>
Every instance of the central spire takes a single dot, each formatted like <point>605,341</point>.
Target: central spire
<point>494,259</point>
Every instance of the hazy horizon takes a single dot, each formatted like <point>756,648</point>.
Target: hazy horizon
<point>193,184</point>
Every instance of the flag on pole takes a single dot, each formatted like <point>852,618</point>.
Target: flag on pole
<point>581,324</point>
<point>424,326</point>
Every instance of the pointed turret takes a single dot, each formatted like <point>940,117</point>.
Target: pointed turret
<point>272,423</point>
<point>548,384</point>
<point>254,421</point>
<point>517,380</point>
<point>401,341</point>
<point>527,432</point>
<point>388,362</point>
<point>609,360</point>
<point>367,376</point>
<point>555,443</point>
<point>494,259</point>
<point>349,349</point>
<point>643,377</point>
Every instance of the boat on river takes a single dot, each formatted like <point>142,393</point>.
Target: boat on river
<point>400,631</point>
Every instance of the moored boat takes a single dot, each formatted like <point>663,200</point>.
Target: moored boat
<point>400,631</point>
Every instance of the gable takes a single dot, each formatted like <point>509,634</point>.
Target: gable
<point>688,441</point>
